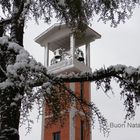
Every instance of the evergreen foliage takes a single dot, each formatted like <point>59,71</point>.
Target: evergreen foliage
<point>23,81</point>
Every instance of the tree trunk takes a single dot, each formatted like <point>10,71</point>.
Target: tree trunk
<point>17,23</point>
<point>1,30</point>
<point>9,115</point>
<point>10,103</point>
<point>17,31</point>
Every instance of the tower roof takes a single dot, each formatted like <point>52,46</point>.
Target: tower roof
<point>58,36</point>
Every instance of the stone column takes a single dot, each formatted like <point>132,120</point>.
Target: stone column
<point>46,55</point>
<point>72,45</point>
<point>88,54</point>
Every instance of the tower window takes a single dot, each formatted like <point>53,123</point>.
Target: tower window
<point>81,90</point>
<point>82,130</point>
<point>56,136</point>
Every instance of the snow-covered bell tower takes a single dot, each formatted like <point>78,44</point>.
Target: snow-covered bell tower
<point>66,53</point>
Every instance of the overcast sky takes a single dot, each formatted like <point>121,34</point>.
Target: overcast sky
<point>117,46</point>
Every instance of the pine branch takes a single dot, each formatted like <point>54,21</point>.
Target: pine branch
<point>3,71</point>
<point>5,21</point>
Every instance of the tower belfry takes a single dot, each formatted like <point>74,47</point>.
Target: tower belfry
<point>65,53</point>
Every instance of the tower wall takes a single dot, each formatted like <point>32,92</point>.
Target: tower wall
<point>75,126</point>
<point>54,128</point>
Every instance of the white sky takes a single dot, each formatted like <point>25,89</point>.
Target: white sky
<point>117,46</point>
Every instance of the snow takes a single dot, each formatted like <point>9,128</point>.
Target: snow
<point>6,84</point>
<point>46,84</point>
<point>61,2</point>
<point>13,104</point>
<point>15,131</point>
<point>16,9</point>
<point>11,70</point>
<point>130,70</point>
<point>23,55</point>
<point>139,70</point>
<point>14,46</point>
<point>27,2</point>
<point>24,62</point>
<point>3,40</point>
<point>18,97</point>
<point>127,71</point>
<point>118,67</point>
<point>138,82</point>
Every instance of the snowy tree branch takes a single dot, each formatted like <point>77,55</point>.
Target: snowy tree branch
<point>28,81</point>
<point>130,76</point>
<point>5,21</point>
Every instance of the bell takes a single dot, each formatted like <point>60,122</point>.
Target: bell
<point>80,56</point>
<point>57,53</point>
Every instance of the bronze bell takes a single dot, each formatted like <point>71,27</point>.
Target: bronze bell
<point>57,53</point>
<point>80,56</point>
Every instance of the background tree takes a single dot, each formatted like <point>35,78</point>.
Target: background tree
<point>23,81</point>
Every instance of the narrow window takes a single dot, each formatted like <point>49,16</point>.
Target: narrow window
<point>82,130</point>
<point>56,136</point>
<point>81,90</point>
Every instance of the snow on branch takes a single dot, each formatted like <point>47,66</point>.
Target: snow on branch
<point>128,79</point>
<point>24,74</point>
<point>128,76</point>
<point>30,79</point>
<point>5,21</point>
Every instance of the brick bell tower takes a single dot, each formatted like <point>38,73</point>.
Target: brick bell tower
<point>65,53</point>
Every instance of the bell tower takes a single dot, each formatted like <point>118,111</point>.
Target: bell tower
<point>66,53</point>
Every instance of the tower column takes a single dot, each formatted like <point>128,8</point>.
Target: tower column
<point>72,45</point>
<point>46,55</point>
<point>71,118</point>
<point>88,54</point>
<point>43,122</point>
